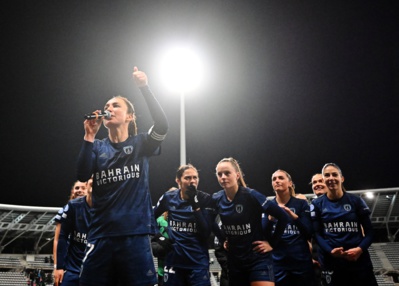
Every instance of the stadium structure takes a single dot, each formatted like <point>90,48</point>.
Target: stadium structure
<point>27,233</point>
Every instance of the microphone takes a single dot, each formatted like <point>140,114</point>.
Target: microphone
<point>106,115</point>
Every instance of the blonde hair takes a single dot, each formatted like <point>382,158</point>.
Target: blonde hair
<point>237,167</point>
<point>290,188</point>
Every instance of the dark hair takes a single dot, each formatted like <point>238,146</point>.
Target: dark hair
<point>182,168</point>
<point>237,167</point>
<point>72,194</point>
<point>336,167</point>
<point>331,164</point>
<point>132,129</point>
<point>290,188</point>
<point>311,178</point>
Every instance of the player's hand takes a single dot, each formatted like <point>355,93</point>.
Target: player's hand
<point>338,252</point>
<point>58,276</point>
<point>91,127</point>
<point>316,263</point>
<point>293,215</point>
<point>140,78</point>
<point>192,198</point>
<point>262,246</point>
<point>353,254</point>
<point>226,245</point>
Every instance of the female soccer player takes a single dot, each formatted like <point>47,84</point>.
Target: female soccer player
<point>79,189</point>
<point>240,209</point>
<point>339,219</point>
<point>292,258</point>
<point>73,238</point>
<point>189,222</point>
<point>122,210</point>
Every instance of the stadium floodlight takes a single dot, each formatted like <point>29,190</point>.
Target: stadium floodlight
<point>370,195</point>
<point>182,71</point>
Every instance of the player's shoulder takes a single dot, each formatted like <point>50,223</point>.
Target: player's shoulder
<point>217,195</point>
<point>354,199</point>
<point>77,201</point>
<point>203,194</point>
<point>319,200</point>
<point>172,193</point>
<point>248,192</point>
<point>303,200</point>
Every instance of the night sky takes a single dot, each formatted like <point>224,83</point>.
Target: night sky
<point>288,84</point>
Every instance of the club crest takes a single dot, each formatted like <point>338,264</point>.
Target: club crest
<point>347,207</point>
<point>128,149</point>
<point>239,208</point>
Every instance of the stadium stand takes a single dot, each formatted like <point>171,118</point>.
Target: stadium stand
<point>27,232</point>
<point>13,278</point>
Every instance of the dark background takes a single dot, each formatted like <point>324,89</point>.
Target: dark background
<point>288,85</point>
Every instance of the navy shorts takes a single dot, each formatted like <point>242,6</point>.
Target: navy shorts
<point>358,278</point>
<point>181,277</point>
<point>261,272</point>
<point>70,278</point>
<point>126,260</point>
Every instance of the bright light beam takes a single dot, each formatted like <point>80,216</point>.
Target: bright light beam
<point>182,69</point>
<point>370,195</point>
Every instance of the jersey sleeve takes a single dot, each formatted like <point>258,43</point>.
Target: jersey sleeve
<point>318,228</point>
<point>363,213</point>
<point>304,221</point>
<point>269,208</point>
<point>85,163</point>
<point>58,216</point>
<point>159,129</point>
<point>204,216</point>
<point>161,206</point>
<point>66,229</point>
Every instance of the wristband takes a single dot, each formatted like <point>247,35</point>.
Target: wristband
<point>55,266</point>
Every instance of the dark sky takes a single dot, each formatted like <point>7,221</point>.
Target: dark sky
<point>288,84</point>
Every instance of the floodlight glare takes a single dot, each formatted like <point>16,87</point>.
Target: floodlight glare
<point>370,195</point>
<point>182,69</point>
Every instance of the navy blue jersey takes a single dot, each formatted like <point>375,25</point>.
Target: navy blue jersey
<point>189,230</point>
<point>58,216</point>
<point>121,199</point>
<point>73,235</point>
<point>339,224</point>
<point>242,224</point>
<point>292,250</point>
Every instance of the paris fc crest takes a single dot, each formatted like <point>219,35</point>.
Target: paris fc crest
<point>128,149</point>
<point>239,208</point>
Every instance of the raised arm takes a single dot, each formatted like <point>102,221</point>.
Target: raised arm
<point>160,128</point>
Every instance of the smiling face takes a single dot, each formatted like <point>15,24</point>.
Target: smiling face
<point>227,176</point>
<point>79,190</point>
<point>318,186</point>
<point>333,178</point>
<point>280,182</point>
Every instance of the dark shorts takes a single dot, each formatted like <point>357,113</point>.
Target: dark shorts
<point>126,260</point>
<point>262,272</point>
<point>302,273</point>
<point>181,277</point>
<point>352,278</point>
<point>70,278</point>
